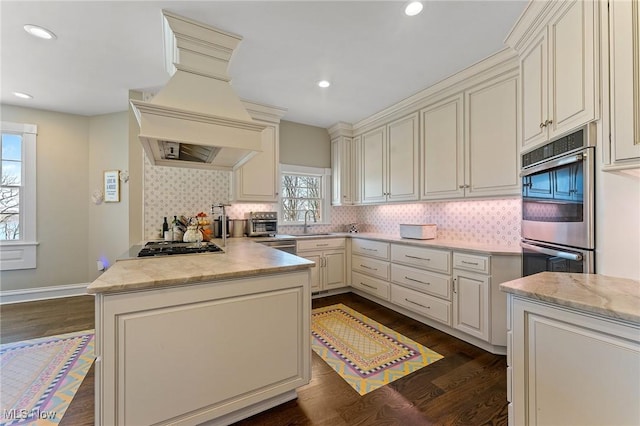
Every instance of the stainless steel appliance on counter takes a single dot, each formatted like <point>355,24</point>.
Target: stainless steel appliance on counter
<point>558,205</point>
<point>262,224</point>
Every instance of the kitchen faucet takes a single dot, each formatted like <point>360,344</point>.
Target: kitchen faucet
<point>306,215</point>
<point>223,221</point>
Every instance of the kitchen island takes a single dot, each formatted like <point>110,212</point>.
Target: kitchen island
<point>573,352</point>
<point>187,339</point>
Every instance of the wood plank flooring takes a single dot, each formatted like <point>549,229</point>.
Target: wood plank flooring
<point>467,387</point>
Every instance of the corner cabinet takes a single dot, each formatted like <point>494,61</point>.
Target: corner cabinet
<point>258,180</point>
<point>389,161</point>
<point>469,144</point>
<point>557,46</point>
<point>341,167</point>
<point>329,254</point>
<point>624,83</point>
<point>566,366</point>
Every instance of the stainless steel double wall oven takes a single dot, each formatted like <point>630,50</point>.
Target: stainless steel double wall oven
<point>558,205</point>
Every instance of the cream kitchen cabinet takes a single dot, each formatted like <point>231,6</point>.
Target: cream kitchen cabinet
<point>624,84</point>
<point>557,46</point>
<point>390,162</point>
<point>258,180</point>
<point>471,303</point>
<point>341,169</point>
<point>570,367</point>
<point>469,142</point>
<point>370,267</point>
<point>329,254</point>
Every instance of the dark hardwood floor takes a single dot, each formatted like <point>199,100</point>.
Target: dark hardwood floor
<point>466,387</point>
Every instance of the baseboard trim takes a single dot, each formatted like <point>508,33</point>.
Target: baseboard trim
<point>42,293</point>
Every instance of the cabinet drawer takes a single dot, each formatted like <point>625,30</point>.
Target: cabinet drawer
<point>371,285</point>
<point>370,248</point>
<point>322,244</point>
<point>374,267</point>
<point>434,260</point>
<point>472,262</point>
<point>426,282</point>
<point>421,303</point>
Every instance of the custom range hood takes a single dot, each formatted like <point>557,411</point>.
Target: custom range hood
<point>197,120</point>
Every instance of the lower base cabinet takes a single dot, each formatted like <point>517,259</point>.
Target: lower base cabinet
<point>421,303</point>
<point>471,303</point>
<point>329,256</point>
<point>571,368</point>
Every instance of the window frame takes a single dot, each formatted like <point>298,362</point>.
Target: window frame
<point>324,174</point>
<point>21,254</point>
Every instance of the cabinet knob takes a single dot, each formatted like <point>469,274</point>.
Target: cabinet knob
<point>542,125</point>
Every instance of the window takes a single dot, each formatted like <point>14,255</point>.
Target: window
<point>304,189</point>
<point>18,196</point>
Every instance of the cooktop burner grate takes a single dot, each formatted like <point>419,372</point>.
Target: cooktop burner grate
<point>166,248</point>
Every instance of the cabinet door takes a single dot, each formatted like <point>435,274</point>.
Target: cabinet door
<point>554,380</point>
<point>402,164</point>
<point>471,303</point>
<point>572,82</point>
<point>491,140</point>
<point>336,158</point>
<point>356,169</point>
<point>257,180</point>
<point>624,57</point>
<point>374,187</point>
<point>442,150</point>
<point>533,83</point>
<point>341,171</point>
<point>334,270</point>
<point>316,271</point>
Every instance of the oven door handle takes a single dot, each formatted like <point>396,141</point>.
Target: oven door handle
<point>556,253</point>
<point>554,163</point>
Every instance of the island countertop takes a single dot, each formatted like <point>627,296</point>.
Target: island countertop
<point>241,258</point>
<point>616,298</point>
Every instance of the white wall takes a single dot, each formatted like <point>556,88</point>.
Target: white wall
<point>108,231</point>
<point>72,153</point>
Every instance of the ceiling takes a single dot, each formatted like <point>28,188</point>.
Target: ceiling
<point>373,54</point>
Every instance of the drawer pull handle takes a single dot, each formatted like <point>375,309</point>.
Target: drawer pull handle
<point>413,279</point>
<point>418,304</point>
<point>322,245</point>
<point>369,267</point>
<point>416,257</point>
<point>470,263</point>
<point>369,249</point>
<point>367,285</point>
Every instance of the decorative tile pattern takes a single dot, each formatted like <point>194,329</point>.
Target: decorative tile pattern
<point>170,191</point>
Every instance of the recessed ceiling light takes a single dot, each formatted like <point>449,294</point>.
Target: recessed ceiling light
<point>39,32</point>
<point>22,95</point>
<point>324,83</point>
<point>413,8</point>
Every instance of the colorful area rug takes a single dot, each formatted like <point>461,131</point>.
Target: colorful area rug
<point>39,377</point>
<point>366,354</point>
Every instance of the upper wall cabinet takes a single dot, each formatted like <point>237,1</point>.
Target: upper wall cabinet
<point>624,84</point>
<point>557,46</point>
<point>341,166</point>
<point>258,180</point>
<point>389,162</point>
<point>469,142</point>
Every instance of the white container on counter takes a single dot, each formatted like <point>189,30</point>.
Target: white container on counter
<point>418,231</point>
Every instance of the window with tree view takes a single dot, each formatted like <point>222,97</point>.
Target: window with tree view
<point>11,188</point>
<point>300,193</point>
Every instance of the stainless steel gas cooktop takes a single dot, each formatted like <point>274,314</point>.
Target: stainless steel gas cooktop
<point>166,248</point>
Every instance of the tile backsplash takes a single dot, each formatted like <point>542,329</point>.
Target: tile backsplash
<point>170,191</point>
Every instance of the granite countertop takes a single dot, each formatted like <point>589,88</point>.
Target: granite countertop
<point>616,298</point>
<point>242,257</point>
<point>444,244</point>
